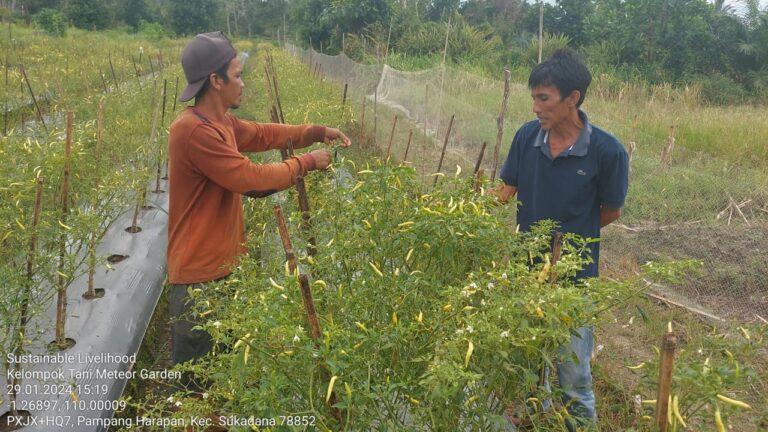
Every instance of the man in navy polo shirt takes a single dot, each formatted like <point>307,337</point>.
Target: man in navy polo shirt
<point>568,170</point>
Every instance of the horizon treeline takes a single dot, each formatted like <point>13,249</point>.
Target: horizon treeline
<point>722,46</point>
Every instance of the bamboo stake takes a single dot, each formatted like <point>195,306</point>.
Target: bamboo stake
<point>500,123</point>
<point>34,99</point>
<point>408,145</point>
<point>445,146</point>
<point>668,346</point>
<point>61,301</point>
<point>391,136</point>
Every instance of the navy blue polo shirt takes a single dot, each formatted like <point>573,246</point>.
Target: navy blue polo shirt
<point>571,188</point>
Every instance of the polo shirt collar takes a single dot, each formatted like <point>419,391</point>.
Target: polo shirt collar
<point>579,148</point>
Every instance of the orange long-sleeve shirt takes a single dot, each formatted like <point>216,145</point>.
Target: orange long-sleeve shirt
<point>207,177</point>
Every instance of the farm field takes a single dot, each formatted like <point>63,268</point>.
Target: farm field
<point>431,314</point>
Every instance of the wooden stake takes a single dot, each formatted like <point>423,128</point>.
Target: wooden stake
<point>306,219</point>
<point>103,82</point>
<point>176,93</point>
<point>557,246</point>
<point>391,136</point>
<point>273,74</point>
<point>290,256</point>
<point>408,145</point>
<point>309,306</point>
<point>61,288</point>
<point>21,110</point>
<point>136,69</point>
<point>668,346</point>
<point>5,114</point>
<point>34,99</point>
<point>666,153</point>
<point>480,159</point>
<point>426,108</point>
<point>112,68</point>
<point>445,146</point>
<point>151,66</point>
<point>165,87</point>
<point>269,87</point>
<point>344,95</point>
<point>500,123</point>
<point>541,29</point>
<point>23,318</point>
<point>478,180</point>
<point>362,124</point>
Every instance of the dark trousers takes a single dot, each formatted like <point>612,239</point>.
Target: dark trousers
<point>187,344</point>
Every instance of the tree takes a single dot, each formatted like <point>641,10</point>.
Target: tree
<point>194,16</point>
<point>88,14</point>
<point>131,12</point>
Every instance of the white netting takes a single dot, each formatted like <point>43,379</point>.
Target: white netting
<point>705,204</point>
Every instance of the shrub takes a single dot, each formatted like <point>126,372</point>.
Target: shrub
<point>51,22</point>
<point>151,30</point>
<point>719,89</point>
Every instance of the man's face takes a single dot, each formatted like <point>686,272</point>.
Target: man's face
<point>551,109</point>
<point>232,91</point>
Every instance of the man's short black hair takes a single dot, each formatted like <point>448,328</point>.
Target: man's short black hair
<point>565,71</point>
<point>220,72</point>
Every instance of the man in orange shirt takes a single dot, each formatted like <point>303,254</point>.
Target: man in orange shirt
<point>208,176</point>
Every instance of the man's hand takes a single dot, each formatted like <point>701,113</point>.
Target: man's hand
<point>322,158</point>
<point>333,134</point>
<point>503,192</point>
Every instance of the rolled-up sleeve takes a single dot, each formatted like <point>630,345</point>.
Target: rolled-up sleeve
<point>613,180</point>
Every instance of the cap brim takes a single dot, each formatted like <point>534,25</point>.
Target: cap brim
<point>191,90</point>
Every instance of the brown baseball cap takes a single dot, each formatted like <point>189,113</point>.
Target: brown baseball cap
<point>203,56</point>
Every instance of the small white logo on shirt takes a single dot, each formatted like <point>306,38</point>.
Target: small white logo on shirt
<point>580,172</point>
